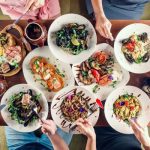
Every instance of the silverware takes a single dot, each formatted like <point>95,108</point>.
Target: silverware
<point>2,106</point>
<point>90,112</point>
<point>32,104</point>
<point>16,21</point>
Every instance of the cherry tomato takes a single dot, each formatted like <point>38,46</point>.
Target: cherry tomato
<point>117,105</point>
<point>131,107</point>
<point>130,47</point>
<point>102,58</point>
<point>126,103</point>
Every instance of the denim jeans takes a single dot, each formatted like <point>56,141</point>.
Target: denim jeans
<point>17,139</point>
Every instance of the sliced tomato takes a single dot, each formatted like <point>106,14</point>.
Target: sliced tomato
<point>101,57</point>
<point>130,46</point>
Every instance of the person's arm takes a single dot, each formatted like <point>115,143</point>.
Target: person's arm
<point>141,134</point>
<point>49,128</point>
<point>58,142</point>
<point>91,144</point>
<point>103,25</point>
<point>87,129</point>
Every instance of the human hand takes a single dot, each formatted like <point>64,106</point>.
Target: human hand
<point>48,127</point>
<point>34,4</point>
<point>86,128</point>
<point>103,26</point>
<point>141,133</point>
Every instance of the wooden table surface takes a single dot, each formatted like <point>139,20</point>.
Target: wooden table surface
<point>117,25</point>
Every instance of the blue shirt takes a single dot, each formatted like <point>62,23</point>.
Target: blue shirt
<point>121,9</point>
<point>33,146</point>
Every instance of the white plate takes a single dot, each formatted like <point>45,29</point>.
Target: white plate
<point>126,32</point>
<point>121,126</point>
<point>45,52</point>
<point>104,90</point>
<point>61,54</point>
<point>57,114</point>
<point>7,115</point>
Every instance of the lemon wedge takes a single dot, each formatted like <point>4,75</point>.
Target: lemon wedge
<point>75,41</point>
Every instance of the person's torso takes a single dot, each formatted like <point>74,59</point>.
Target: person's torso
<point>134,5</point>
<point>128,2</point>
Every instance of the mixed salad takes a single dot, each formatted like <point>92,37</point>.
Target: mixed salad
<point>126,107</point>
<point>73,38</point>
<point>21,109</point>
<point>136,48</point>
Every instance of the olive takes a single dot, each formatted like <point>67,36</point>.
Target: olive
<point>129,58</point>
<point>125,41</point>
<point>145,57</point>
<point>143,37</point>
<point>58,42</point>
<point>30,92</point>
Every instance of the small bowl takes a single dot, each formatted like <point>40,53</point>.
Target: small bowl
<point>36,33</point>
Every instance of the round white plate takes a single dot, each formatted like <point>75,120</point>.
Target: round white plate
<point>121,126</point>
<point>7,115</point>
<point>57,114</point>
<point>61,54</point>
<point>63,67</point>
<point>126,32</point>
<point>104,91</point>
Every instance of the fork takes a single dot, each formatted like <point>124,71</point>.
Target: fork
<point>35,109</point>
<point>90,112</point>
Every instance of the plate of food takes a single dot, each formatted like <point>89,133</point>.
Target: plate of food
<point>101,73</point>
<point>12,54</point>
<point>18,112</point>
<point>125,103</point>
<point>71,38</point>
<point>42,70</point>
<point>132,48</point>
<point>72,103</point>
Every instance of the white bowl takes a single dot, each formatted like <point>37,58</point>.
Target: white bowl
<point>120,125</point>
<point>7,115</point>
<point>61,54</point>
<point>57,114</point>
<point>125,33</point>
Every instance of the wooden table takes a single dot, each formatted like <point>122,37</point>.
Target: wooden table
<point>117,25</point>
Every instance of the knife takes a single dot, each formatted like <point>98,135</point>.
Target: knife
<point>2,106</point>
